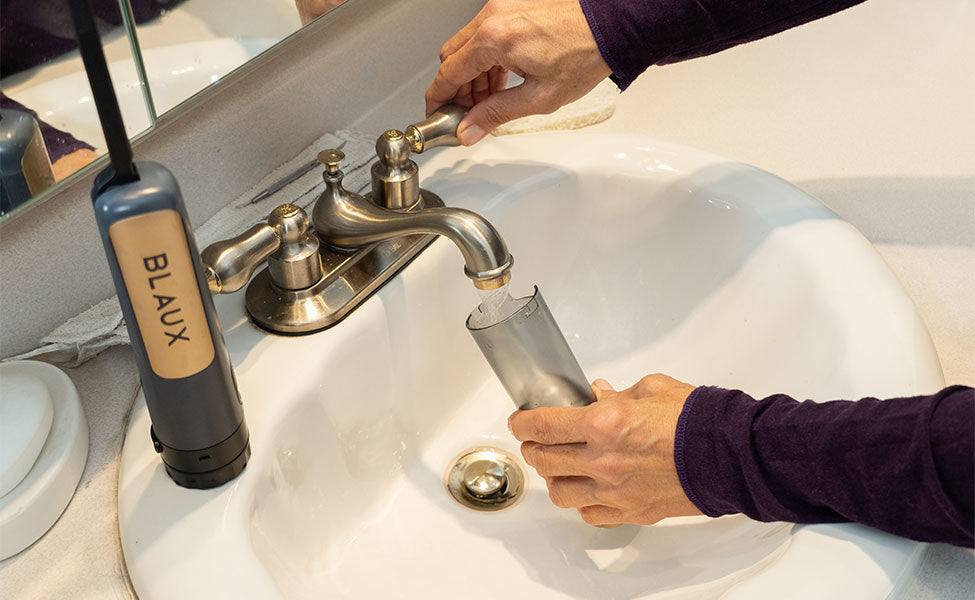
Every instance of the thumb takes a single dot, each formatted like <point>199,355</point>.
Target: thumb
<point>494,111</point>
<point>603,390</point>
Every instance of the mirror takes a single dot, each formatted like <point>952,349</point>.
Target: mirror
<point>160,53</point>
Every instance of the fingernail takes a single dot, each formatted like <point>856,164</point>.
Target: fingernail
<point>603,385</point>
<point>470,135</point>
<point>509,424</point>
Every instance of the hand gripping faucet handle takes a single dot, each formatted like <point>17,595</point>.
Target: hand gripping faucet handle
<point>439,129</point>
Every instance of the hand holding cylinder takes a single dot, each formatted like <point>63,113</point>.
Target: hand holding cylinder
<point>613,460</point>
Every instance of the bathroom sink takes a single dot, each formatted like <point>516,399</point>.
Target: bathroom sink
<point>654,258</point>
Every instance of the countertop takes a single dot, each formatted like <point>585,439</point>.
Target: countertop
<point>868,110</point>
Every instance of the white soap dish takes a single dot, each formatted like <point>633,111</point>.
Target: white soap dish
<point>43,450</point>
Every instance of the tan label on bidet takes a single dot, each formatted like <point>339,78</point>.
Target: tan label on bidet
<point>158,273</point>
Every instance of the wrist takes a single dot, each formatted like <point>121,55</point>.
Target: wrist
<point>613,68</point>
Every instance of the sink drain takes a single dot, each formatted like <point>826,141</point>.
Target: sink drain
<point>485,479</point>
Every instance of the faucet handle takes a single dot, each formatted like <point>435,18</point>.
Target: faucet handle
<point>284,241</point>
<point>229,264</point>
<point>439,129</point>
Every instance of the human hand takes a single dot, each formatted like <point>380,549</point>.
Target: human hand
<point>548,43</point>
<point>614,459</point>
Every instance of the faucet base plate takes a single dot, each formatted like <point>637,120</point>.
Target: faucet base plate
<point>348,280</point>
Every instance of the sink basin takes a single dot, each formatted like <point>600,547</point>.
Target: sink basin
<point>653,258</point>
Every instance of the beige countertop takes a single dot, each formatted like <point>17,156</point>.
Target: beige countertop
<point>868,110</point>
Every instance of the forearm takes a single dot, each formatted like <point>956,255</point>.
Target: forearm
<point>635,34</point>
<point>903,465</point>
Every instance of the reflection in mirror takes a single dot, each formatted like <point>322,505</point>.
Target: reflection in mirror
<point>44,85</point>
<point>196,42</point>
<point>183,46</point>
<point>309,10</point>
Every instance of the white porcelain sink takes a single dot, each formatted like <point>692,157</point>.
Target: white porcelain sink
<point>653,257</point>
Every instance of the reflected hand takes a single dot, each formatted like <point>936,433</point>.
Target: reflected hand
<point>69,163</point>
<point>614,459</point>
<point>309,10</point>
<point>548,43</point>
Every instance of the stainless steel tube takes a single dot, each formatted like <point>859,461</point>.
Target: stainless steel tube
<point>530,356</point>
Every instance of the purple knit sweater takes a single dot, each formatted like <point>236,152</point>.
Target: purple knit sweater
<point>635,34</point>
<point>905,465</point>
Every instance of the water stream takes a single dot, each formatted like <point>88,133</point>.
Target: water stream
<point>496,305</point>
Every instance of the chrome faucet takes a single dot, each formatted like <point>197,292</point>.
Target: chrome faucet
<point>364,240</point>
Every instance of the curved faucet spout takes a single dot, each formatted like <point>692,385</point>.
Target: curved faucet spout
<point>350,221</point>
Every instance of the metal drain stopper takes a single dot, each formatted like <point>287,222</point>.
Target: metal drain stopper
<point>485,479</point>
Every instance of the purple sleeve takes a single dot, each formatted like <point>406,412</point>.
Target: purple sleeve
<point>905,465</point>
<point>634,34</point>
